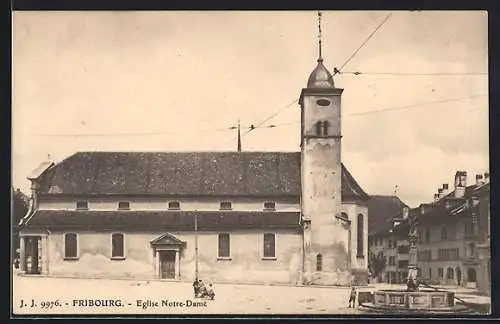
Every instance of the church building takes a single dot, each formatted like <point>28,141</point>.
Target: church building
<point>265,217</point>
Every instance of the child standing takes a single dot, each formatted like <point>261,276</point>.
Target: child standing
<point>352,297</point>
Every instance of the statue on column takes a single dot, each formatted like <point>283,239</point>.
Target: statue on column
<point>412,281</point>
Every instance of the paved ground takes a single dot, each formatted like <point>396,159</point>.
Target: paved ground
<point>230,299</point>
<point>59,295</point>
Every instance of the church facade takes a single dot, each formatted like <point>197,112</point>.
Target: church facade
<point>268,217</point>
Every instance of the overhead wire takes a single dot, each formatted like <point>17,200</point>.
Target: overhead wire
<point>337,70</point>
<point>413,74</point>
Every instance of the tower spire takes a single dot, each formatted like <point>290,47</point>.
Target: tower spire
<point>320,58</point>
<point>239,137</point>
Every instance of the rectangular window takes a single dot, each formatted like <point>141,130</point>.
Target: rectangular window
<point>174,205</point>
<point>427,235</point>
<point>226,205</point>
<point>403,264</point>
<point>82,205</point>
<point>224,248</point>
<point>440,273</point>
<point>403,249</point>
<point>269,246</point>
<point>269,205</point>
<point>123,205</point>
<point>430,273</point>
<point>444,234</point>
<point>117,246</point>
<point>70,246</point>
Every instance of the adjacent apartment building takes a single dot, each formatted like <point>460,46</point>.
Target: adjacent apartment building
<point>453,237</point>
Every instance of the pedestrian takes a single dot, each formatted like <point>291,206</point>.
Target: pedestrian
<point>202,289</point>
<point>352,298</point>
<point>196,288</point>
<point>210,292</point>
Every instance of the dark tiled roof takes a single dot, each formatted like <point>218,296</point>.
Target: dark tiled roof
<point>183,173</point>
<point>448,206</point>
<point>381,210</point>
<point>161,220</point>
<point>350,188</point>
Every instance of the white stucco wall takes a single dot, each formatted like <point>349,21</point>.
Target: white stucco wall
<point>188,204</point>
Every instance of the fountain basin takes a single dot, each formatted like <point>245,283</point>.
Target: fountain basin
<point>422,301</point>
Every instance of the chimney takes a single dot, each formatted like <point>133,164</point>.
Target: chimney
<point>440,193</point>
<point>445,189</point>
<point>486,177</point>
<point>422,209</point>
<point>479,179</point>
<point>460,183</point>
<point>436,197</point>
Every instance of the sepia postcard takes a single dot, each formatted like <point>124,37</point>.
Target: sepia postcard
<point>250,162</point>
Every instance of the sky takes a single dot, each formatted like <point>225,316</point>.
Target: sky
<point>176,81</point>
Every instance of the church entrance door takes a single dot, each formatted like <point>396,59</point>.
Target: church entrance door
<point>167,264</point>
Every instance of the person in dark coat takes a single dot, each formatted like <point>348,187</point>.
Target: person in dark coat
<point>352,297</point>
<point>196,288</point>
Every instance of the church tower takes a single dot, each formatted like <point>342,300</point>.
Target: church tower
<point>325,239</point>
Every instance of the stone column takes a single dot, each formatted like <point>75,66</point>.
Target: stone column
<point>177,265</point>
<point>157,264</point>
<point>412,254</point>
<point>22,254</point>
<point>45,260</point>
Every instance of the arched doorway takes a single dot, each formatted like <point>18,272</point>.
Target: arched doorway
<point>459,275</point>
<point>471,275</point>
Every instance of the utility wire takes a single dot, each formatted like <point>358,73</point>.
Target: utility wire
<point>335,70</point>
<point>253,127</point>
<point>414,105</point>
<point>410,74</point>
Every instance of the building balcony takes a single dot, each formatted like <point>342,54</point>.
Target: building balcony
<point>470,259</point>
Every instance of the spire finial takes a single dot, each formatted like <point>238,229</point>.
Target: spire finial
<point>320,58</point>
<point>239,137</point>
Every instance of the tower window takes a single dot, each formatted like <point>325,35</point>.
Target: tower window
<point>319,262</point>
<point>318,128</point>
<point>326,125</point>
<point>322,127</point>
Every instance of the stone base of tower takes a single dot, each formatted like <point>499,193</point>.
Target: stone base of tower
<point>338,278</point>
<point>355,277</point>
<point>359,277</point>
